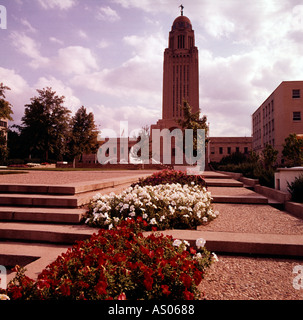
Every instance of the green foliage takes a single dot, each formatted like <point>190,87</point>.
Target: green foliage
<point>296,189</point>
<point>5,107</point>
<point>192,121</point>
<point>83,133</point>
<point>293,150</point>
<point>45,124</point>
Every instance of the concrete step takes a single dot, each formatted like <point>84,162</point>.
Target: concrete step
<point>223,183</point>
<point>239,199</point>
<point>50,233</point>
<point>38,200</point>
<point>68,189</point>
<point>34,256</point>
<point>57,215</point>
<point>247,243</point>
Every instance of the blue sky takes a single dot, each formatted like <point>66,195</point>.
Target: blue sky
<point>108,56</point>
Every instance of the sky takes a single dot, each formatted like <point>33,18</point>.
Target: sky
<point>107,55</point>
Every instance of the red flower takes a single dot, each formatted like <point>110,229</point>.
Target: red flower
<point>122,296</point>
<point>148,282</point>
<point>188,295</point>
<point>165,289</point>
<point>186,279</point>
<point>101,288</point>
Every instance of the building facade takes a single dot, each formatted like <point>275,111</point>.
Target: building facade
<point>278,116</point>
<point>219,147</point>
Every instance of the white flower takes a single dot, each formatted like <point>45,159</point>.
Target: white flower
<point>204,219</point>
<point>215,257</point>
<point>186,243</point>
<point>132,214</point>
<point>200,243</point>
<point>110,226</point>
<point>177,243</point>
<point>144,216</point>
<point>162,218</point>
<point>153,221</point>
<point>198,256</point>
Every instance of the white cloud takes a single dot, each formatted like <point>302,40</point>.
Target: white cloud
<point>75,60</point>
<point>104,43</point>
<point>30,48</point>
<point>55,40</point>
<point>20,92</point>
<point>28,26</point>
<point>107,14</point>
<point>57,4</point>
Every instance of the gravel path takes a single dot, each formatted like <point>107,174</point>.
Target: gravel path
<point>253,219</point>
<point>246,278</point>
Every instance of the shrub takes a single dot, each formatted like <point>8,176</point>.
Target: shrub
<point>119,264</point>
<point>170,176</point>
<point>296,189</point>
<point>163,206</point>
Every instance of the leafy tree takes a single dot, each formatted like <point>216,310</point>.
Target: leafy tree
<point>5,106</point>
<point>293,150</point>
<point>5,113</point>
<point>192,121</point>
<point>45,124</point>
<point>83,134</point>
<point>3,148</point>
<point>270,156</point>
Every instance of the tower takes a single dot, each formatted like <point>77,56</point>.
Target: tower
<point>180,71</point>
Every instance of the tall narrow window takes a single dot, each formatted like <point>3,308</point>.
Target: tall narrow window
<point>181,42</point>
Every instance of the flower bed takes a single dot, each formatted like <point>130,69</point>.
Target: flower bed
<point>120,264</point>
<point>164,206</point>
<point>170,176</point>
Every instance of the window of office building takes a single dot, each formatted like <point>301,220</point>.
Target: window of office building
<point>296,116</point>
<point>296,93</point>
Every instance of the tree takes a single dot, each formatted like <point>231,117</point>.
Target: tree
<point>193,121</point>
<point>45,124</point>
<point>83,134</point>
<point>293,150</point>
<point>5,113</point>
<point>3,148</point>
<point>270,156</point>
<point>5,106</point>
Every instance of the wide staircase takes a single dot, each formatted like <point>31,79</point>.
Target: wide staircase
<point>39,222</point>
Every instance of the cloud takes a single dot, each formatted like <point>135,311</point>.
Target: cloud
<point>138,78</point>
<point>30,48</point>
<point>57,4</point>
<point>20,92</point>
<point>69,60</point>
<point>75,60</point>
<point>107,14</point>
<point>136,116</point>
<point>28,26</point>
<point>55,40</point>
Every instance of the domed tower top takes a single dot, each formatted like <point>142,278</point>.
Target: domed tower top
<point>181,35</point>
<point>181,23</point>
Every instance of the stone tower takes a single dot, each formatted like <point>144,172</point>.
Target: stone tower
<point>180,72</point>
